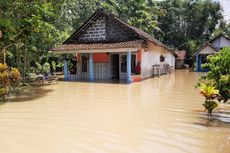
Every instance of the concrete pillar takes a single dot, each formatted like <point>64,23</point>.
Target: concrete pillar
<point>197,62</point>
<point>65,70</point>
<point>129,67</point>
<point>91,67</point>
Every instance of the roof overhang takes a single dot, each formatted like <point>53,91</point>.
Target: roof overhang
<point>113,50</point>
<point>131,46</point>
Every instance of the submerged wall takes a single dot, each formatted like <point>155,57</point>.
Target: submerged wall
<point>152,57</point>
<point>102,67</point>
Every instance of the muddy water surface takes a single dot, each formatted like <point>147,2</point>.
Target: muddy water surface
<point>161,115</point>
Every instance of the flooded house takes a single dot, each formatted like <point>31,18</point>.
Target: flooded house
<point>180,59</point>
<point>108,48</point>
<point>210,48</point>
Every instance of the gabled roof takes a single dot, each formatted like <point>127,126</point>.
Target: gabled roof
<point>205,45</point>
<point>218,36</point>
<point>101,12</point>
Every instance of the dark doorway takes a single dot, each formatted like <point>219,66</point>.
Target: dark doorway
<point>115,66</point>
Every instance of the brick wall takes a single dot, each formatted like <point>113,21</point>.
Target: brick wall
<point>117,32</point>
<point>96,32</point>
<point>106,29</point>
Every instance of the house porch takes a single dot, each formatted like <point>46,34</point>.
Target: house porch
<point>105,64</point>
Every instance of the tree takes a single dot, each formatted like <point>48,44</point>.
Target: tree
<point>28,31</point>
<point>140,13</point>
<point>224,28</point>
<point>188,24</point>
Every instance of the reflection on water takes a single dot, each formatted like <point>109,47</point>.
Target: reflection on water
<point>162,115</point>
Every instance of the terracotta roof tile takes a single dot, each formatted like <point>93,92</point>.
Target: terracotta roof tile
<point>70,47</point>
<point>181,54</point>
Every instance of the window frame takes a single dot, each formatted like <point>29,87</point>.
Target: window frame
<point>124,70</point>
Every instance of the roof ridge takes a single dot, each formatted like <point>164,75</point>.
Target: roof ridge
<point>221,34</point>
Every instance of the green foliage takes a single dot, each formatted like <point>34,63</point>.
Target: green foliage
<point>31,28</point>
<point>140,13</point>
<point>39,67</point>
<point>210,106</point>
<point>43,68</point>
<point>219,65</point>
<point>209,92</point>
<point>188,24</point>
<point>224,28</point>
<point>54,66</point>
<point>9,79</point>
<point>46,68</point>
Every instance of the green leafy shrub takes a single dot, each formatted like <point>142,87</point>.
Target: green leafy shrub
<point>9,80</point>
<point>43,69</point>
<point>219,65</point>
<point>46,68</point>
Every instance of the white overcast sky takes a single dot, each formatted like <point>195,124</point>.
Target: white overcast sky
<point>226,7</point>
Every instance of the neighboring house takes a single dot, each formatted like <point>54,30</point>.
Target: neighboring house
<point>108,48</point>
<point>180,59</point>
<point>210,48</point>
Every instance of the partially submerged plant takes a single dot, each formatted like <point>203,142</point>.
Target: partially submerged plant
<point>210,93</point>
<point>209,106</point>
<point>9,80</point>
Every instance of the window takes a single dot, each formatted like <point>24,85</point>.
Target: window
<point>162,58</point>
<point>124,63</point>
<point>84,63</point>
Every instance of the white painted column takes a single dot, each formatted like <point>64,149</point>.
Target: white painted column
<point>65,70</point>
<point>129,80</point>
<point>91,67</point>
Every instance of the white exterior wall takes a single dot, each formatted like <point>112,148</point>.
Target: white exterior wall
<point>152,57</point>
<point>221,42</point>
<point>217,43</point>
<point>225,42</point>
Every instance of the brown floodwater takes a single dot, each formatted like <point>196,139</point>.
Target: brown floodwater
<point>161,115</point>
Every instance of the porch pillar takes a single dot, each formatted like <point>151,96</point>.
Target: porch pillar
<point>91,67</point>
<point>197,62</point>
<point>65,70</point>
<point>129,67</point>
<point>200,63</point>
